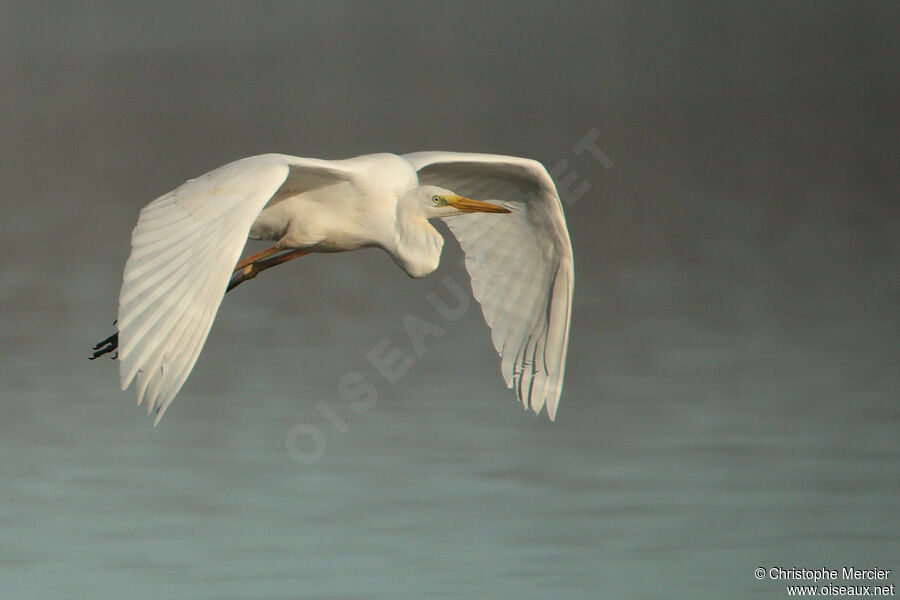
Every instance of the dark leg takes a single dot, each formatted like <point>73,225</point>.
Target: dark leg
<point>244,270</point>
<point>253,269</point>
<point>255,257</point>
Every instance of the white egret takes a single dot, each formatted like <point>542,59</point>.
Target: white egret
<point>186,245</point>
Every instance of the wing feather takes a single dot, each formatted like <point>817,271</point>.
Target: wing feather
<point>184,249</point>
<point>521,264</point>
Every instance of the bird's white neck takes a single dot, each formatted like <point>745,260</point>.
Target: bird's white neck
<point>417,244</point>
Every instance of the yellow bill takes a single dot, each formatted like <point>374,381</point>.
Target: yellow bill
<point>468,205</point>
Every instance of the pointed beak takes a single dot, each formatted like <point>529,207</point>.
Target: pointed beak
<point>468,205</point>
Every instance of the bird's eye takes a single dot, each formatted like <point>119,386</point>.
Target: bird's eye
<point>436,199</point>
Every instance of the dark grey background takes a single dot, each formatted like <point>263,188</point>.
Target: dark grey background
<point>731,398</point>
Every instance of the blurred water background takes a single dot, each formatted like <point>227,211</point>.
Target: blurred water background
<point>731,395</point>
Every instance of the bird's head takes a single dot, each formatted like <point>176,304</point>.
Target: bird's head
<point>441,203</point>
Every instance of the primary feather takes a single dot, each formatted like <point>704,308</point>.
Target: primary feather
<point>521,265</point>
<point>184,248</point>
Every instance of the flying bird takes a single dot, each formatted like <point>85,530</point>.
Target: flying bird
<point>504,210</point>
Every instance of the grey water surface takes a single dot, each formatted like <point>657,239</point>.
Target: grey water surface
<point>731,399</point>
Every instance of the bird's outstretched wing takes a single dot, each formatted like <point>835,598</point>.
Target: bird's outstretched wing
<point>183,251</point>
<point>521,264</point>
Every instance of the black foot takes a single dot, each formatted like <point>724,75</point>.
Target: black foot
<point>106,346</point>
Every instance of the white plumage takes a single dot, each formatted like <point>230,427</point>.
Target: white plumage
<point>187,242</point>
<point>521,265</point>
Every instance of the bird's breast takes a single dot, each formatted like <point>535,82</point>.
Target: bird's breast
<point>333,219</point>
